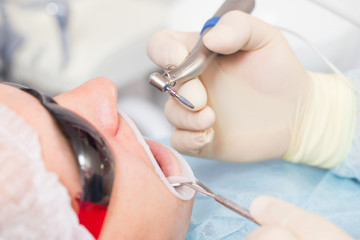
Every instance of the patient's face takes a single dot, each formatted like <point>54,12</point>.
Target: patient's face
<point>141,206</point>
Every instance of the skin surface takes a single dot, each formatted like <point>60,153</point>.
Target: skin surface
<point>141,206</point>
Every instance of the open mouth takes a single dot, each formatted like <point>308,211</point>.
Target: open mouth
<point>168,163</point>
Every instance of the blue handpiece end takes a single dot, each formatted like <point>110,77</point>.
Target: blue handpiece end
<point>210,23</point>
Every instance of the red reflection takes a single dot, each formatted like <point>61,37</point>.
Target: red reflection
<point>92,216</point>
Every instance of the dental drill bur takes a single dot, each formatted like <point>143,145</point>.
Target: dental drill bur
<point>183,100</point>
<point>199,58</point>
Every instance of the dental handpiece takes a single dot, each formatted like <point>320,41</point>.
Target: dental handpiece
<point>199,58</point>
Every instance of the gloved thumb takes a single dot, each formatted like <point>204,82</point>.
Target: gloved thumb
<point>269,211</point>
<point>237,31</point>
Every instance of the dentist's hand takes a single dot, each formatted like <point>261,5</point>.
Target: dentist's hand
<point>252,88</point>
<point>282,221</point>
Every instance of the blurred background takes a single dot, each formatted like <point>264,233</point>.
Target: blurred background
<point>56,45</point>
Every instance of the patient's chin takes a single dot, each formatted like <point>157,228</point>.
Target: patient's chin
<point>167,161</point>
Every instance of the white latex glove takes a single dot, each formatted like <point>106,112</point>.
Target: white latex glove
<point>253,91</point>
<point>262,97</point>
<point>281,220</point>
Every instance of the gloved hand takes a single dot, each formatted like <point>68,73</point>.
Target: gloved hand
<point>265,102</point>
<point>283,221</point>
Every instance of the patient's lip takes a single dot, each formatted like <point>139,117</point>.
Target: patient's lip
<point>127,133</point>
<point>167,161</point>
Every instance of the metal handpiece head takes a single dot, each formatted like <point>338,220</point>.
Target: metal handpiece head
<point>160,82</point>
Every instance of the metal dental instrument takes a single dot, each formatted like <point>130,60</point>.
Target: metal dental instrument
<point>199,58</point>
<point>202,189</point>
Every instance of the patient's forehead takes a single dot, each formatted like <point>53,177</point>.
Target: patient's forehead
<point>21,102</point>
<point>29,109</point>
<point>14,97</point>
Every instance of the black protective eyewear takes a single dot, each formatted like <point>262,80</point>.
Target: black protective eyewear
<point>94,158</point>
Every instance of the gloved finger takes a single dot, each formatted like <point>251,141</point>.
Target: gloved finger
<point>170,47</point>
<point>251,33</point>
<point>184,119</point>
<point>190,119</point>
<point>195,92</point>
<point>271,233</point>
<point>191,143</point>
<point>306,225</point>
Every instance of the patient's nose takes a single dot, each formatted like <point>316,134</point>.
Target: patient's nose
<point>96,101</point>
